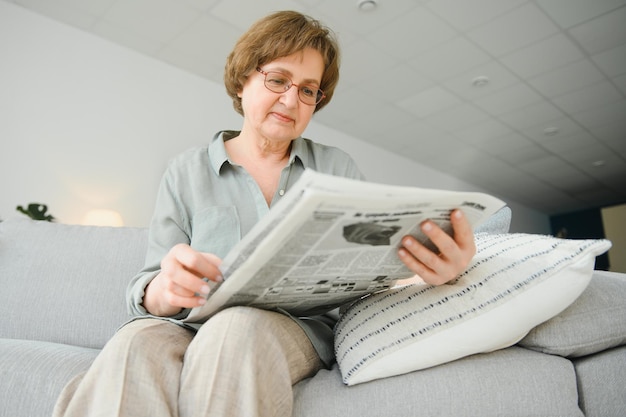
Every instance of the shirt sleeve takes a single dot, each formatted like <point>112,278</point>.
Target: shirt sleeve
<point>169,226</point>
<point>331,160</point>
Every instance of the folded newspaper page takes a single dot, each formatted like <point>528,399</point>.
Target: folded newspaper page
<point>332,240</point>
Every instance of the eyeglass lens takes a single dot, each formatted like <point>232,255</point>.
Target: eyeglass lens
<point>279,83</point>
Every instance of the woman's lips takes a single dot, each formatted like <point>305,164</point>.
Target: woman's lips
<point>282,117</point>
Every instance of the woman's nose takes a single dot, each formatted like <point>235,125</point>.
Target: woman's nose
<point>290,97</point>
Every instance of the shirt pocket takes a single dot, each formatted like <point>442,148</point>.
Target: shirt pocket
<point>215,230</point>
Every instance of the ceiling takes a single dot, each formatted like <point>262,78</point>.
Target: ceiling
<point>547,129</point>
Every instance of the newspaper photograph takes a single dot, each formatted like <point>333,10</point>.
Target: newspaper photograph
<point>333,240</point>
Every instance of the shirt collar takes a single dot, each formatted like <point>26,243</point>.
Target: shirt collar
<point>218,155</point>
<point>299,151</point>
<point>217,151</point>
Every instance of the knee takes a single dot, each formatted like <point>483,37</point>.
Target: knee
<point>146,337</point>
<point>237,320</point>
<point>240,326</point>
<point>243,316</point>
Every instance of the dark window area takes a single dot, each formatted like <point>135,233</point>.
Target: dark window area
<point>586,224</point>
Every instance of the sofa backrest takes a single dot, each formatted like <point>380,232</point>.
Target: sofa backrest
<point>66,283</point>
<point>499,222</point>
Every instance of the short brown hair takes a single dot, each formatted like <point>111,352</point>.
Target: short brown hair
<point>275,36</point>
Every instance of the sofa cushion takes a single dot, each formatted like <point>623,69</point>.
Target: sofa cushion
<point>509,382</point>
<point>596,321</point>
<point>515,282</point>
<point>66,283</point>
<point>32,374</point>
<point>601,387</point>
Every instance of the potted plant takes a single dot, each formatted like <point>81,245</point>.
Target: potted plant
<point>36,211</point>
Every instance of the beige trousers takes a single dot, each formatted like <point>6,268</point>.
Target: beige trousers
<point>242,362</point>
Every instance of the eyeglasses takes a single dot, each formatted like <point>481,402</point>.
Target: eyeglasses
<point>278,82</point>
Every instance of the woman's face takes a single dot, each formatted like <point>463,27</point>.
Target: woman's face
<point>281,116</point>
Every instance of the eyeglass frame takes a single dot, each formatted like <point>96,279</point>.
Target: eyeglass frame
<point>320,93</point>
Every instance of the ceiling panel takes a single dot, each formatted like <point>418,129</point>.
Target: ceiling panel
<point>449,59</point>
<point>613,61</point>
<point>483,131</point>
<point>457,118</point>
<point>520,156</point>
<point>159,20</point>
<point>498,78</point>
<point>341,13</point>
<point>413,32</point>
<point>69,13</point>
<point>602,33</point>
<point>127,37</point>
<point>568,13</point>
<point>602,115</point>
<point>465,15</point>
<point>555,129</point>
<point>366,62</point>
<point>589,97</point>
<point>395,84</point>
<point>505,145</point>
<point>429,101</point>
<point>560,144</point>
<point>543,56</point>
<point>511,98</point>
<point>566,78</point>
<point>242,13</point>
<point>536,114</point>
<point>510,32</point>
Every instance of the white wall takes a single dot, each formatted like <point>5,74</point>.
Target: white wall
<point>88,124</point>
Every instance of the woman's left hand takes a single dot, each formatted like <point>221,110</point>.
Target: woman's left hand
<point>455,253</point>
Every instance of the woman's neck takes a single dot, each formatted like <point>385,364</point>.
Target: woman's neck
<point>261,160</point>
<point>257,150</point>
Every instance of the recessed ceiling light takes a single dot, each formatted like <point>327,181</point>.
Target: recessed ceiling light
<point>480,81</point>
<point>367,5</point>
<point>551,131</point>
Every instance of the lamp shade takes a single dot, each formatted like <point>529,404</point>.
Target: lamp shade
<point>102,217</point>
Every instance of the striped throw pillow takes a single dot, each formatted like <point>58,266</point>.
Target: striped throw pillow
<point>514,283</point>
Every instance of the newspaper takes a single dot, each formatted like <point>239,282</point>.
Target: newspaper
<point>331,240</point>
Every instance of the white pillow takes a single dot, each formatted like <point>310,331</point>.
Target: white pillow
<point>514,283</point>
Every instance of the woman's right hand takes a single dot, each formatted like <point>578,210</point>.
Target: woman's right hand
<point>180,283</point>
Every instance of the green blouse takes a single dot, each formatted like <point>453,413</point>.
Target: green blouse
<point>207,201</point>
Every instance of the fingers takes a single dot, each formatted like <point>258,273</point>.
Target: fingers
<point>183,280</point>
<point>463,233</point>
<point>178,281</point>
<point>175,295</point>
<point>454,253</point>
<point>202,265</point>
<point>432,268</point>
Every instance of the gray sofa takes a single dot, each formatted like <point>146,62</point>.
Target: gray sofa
<point>62,297</point>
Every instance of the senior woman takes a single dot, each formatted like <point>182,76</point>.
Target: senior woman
<point>242,361</point>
